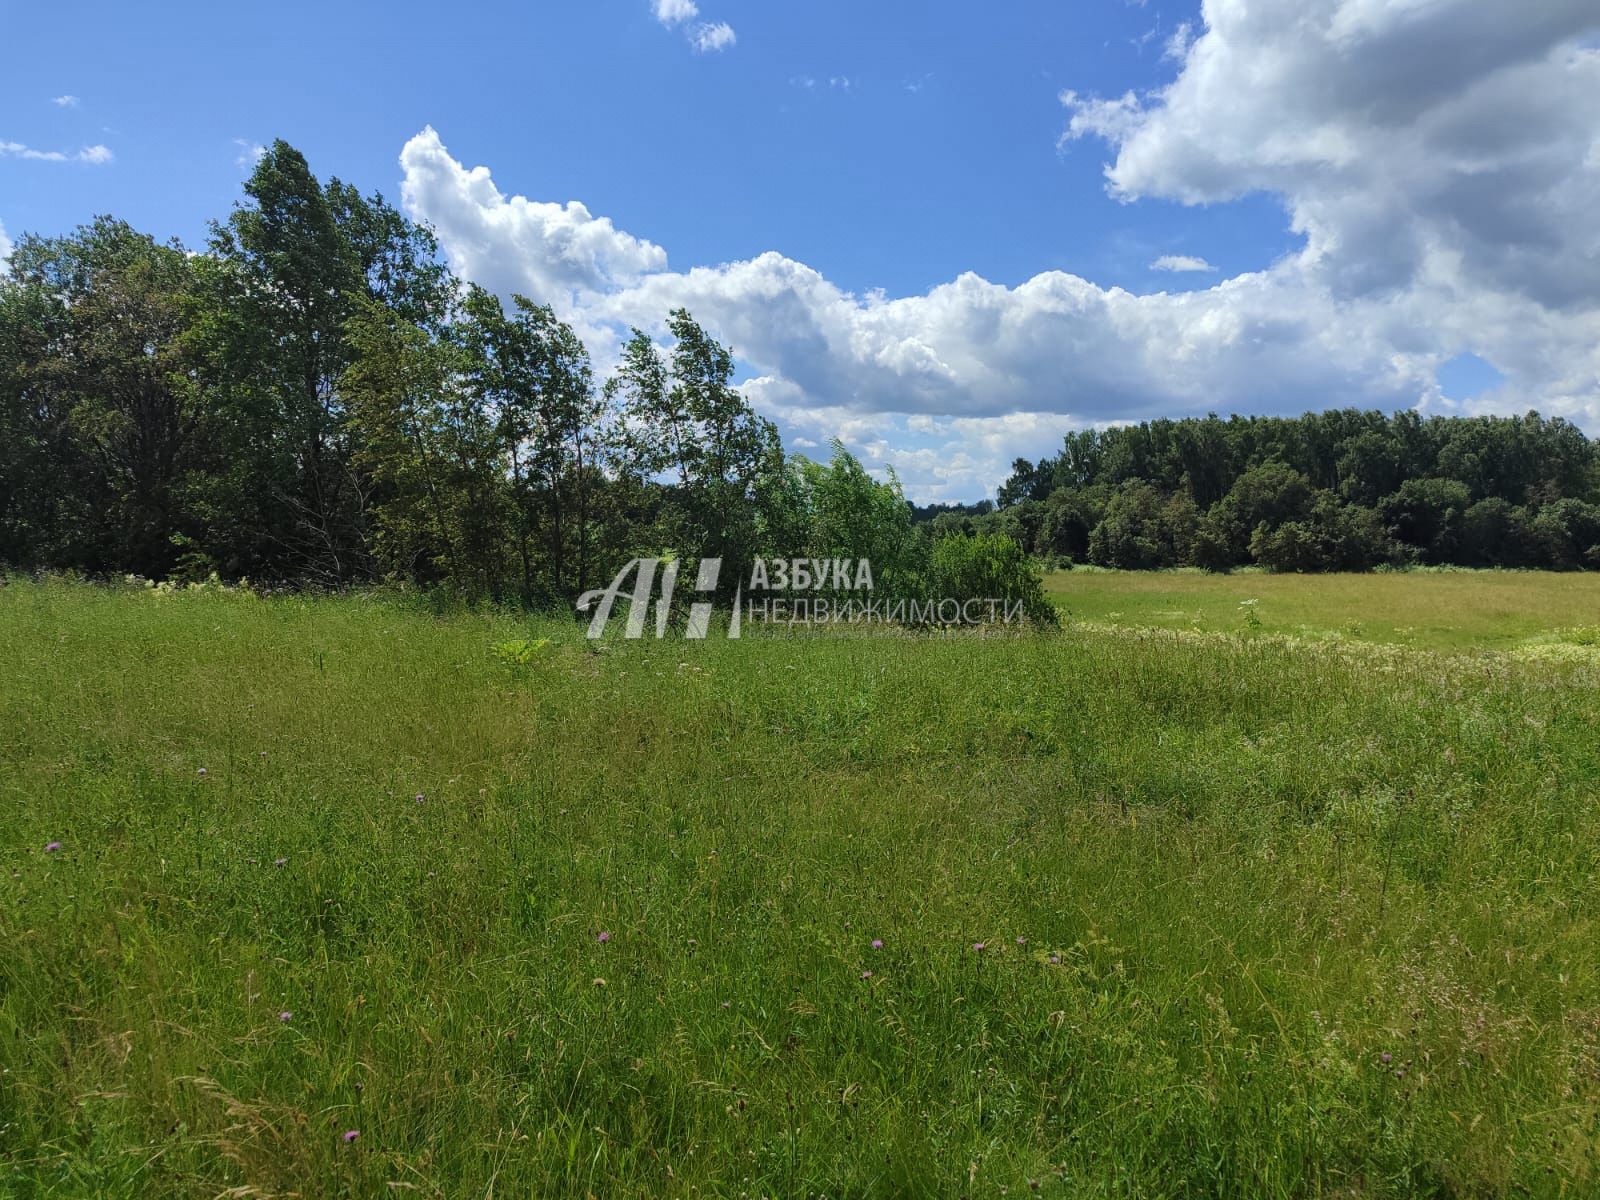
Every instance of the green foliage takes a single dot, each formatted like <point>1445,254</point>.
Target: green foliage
<point>520,652</point>
<point>985,567</point>
<point>1332,491</point>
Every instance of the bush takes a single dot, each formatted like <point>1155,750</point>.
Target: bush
<point>988,566</point>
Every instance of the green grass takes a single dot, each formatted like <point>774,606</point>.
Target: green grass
<point>1301,919</point>
<point>1446,610</point>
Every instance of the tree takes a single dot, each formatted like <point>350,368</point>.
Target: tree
<point>428,444</point>
<point>103,390</point>
<point>1144,530</point>
<point>296,263</point>
<point>1268,495</point>
<point>1331,537</point>
<point>533,373</point>
<point>1426,514</point>
<point>682,416</point>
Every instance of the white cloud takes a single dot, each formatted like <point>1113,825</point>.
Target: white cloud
<point>1176,48</point>
<point>65,102</point>
<point>675,12</point>
<point>710,38</point>
<point>5,245</point>
<point>707,37</point>
<point>89,154</point>
<point>552,252</point>
<point>1438,156</point>
<point>1181,262</point>
<point>250,153</point>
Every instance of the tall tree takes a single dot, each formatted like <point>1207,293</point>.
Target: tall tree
<point>103,393</point>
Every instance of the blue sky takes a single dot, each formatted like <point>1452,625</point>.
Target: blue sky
<point>828,152</point>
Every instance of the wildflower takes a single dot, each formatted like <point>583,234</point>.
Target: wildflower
<point>1386,1057</point>
<point>202,772</point>
<point>727,1004</point>
<point>1022,941</point>
<point>1055,960</point>
<point>351,1135</point>
<point>51,847</point>
<point>978,947</point>
<point>877,943</point>
<point>280,862</point>
<point>598,982</point>
<point>604,937</point>
<point>285,1016</point>
<point>866,974</point>
<point>420,797</point>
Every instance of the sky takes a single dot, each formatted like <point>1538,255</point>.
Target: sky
<point>943,233</point>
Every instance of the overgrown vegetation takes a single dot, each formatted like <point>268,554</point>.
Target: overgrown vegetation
<point>1142,914</point>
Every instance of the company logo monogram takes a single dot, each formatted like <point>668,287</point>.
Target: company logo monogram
<point>644,572</point>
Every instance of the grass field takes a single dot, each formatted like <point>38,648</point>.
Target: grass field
<point>1257,917</point>
<point>1449,610</point>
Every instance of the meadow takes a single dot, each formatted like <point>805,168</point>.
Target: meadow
<point>1443,609</point>
<point>351,897</point>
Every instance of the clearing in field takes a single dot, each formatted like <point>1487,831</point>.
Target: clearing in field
<point>332,898</point>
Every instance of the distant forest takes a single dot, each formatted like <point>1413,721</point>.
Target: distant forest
<point>1344,490</point>
<point>313,399</point>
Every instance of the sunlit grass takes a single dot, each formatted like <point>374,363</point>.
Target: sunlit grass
<point>1259,918</point>
<point>1441,609</point>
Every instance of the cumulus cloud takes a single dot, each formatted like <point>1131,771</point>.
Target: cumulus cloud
<point>89,154</point>
<point>710,38</point>
<point>5,245</point>
<point>65,102</point>
<point>1408,141</point>
<point>1438,156</point>
<point>553,252</point>
<point>1181,262</point>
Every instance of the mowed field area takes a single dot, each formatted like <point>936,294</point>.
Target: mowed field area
<point>344,897</point>
<point>1447,609</point>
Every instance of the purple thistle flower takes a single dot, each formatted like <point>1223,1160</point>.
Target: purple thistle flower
<point>604,937</point>
<point>351,1135</point>
<point>51,847</point>
<point>280,862</point>
<point>1386,1058</point>
<point>866,974</point>
<point>1022,941</point>
<point>285,1016</point>
<point>877,943</point>
<point>978,947</point>
<point>420,797</point>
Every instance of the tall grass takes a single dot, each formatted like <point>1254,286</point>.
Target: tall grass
<point>1258,919</point>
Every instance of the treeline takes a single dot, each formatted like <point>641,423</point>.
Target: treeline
<point>1344,490</point>
<point>313,399</point>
